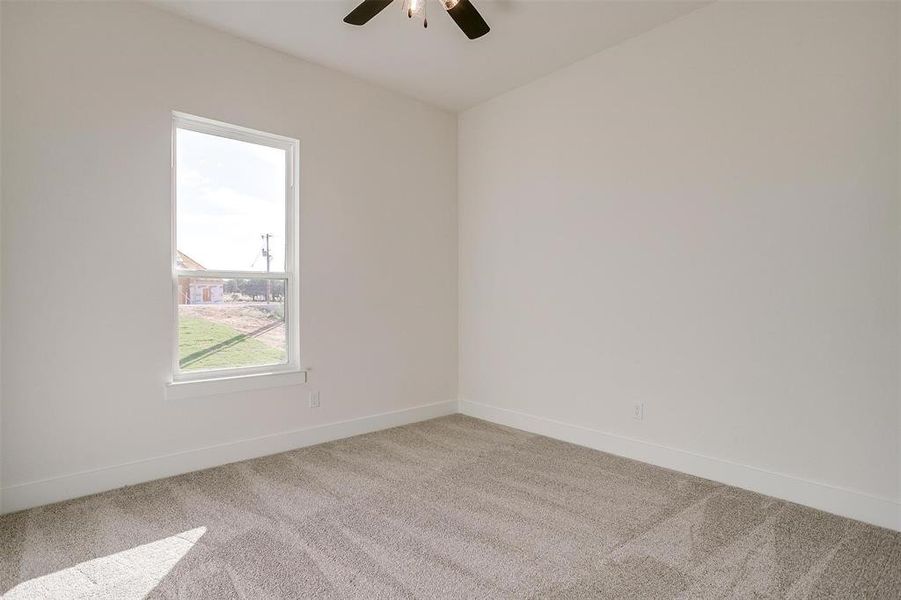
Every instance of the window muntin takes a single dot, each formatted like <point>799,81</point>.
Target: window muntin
<point>234,262</point>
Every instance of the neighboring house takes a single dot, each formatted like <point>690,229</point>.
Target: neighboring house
<point>197,291</point>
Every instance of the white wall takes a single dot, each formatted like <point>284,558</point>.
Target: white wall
<point>898,450</point>
<point>703,219</point>
<point>87,94</point>
<point>1,253</point>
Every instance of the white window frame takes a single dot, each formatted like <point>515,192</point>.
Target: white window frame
<point>291,147</point>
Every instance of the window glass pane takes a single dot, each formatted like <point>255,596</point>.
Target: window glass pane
<point>231,323</point>
<point>229,196</point>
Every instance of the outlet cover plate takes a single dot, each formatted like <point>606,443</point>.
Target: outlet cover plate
<point>638,411</point>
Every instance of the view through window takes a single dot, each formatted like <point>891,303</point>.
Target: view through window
<point>234,202</point>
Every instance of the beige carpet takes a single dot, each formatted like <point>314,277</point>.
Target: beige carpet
<point>448,508</point>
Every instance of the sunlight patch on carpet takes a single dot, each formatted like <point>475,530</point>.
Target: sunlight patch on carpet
<point>127,575</point>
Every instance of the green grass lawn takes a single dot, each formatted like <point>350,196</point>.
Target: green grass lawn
<point>204,344</point>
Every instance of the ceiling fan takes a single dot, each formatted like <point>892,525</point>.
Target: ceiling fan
<point>462,12</point>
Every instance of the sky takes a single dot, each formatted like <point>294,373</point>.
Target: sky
<point>228,193</point>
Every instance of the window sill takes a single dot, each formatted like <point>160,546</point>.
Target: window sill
<point>178,390</point>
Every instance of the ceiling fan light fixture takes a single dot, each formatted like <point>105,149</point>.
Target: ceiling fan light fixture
<point>463,13</point>
<point>416,8</point>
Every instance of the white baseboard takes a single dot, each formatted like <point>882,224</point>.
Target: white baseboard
<point>37,493</point>
<point>848,503</point>
<point>884,512</point>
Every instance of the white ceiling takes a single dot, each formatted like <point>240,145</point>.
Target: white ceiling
<point>528,39</point>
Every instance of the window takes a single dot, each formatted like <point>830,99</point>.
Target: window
<point>234,252</point>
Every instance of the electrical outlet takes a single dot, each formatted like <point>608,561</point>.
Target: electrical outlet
<point>638,411</point>
<point>314,399</point>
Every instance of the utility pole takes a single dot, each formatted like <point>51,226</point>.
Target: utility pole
<point>265,237</point>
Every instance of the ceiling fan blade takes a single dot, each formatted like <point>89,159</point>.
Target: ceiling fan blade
<point>365,11</point>
<point>468,19</point>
